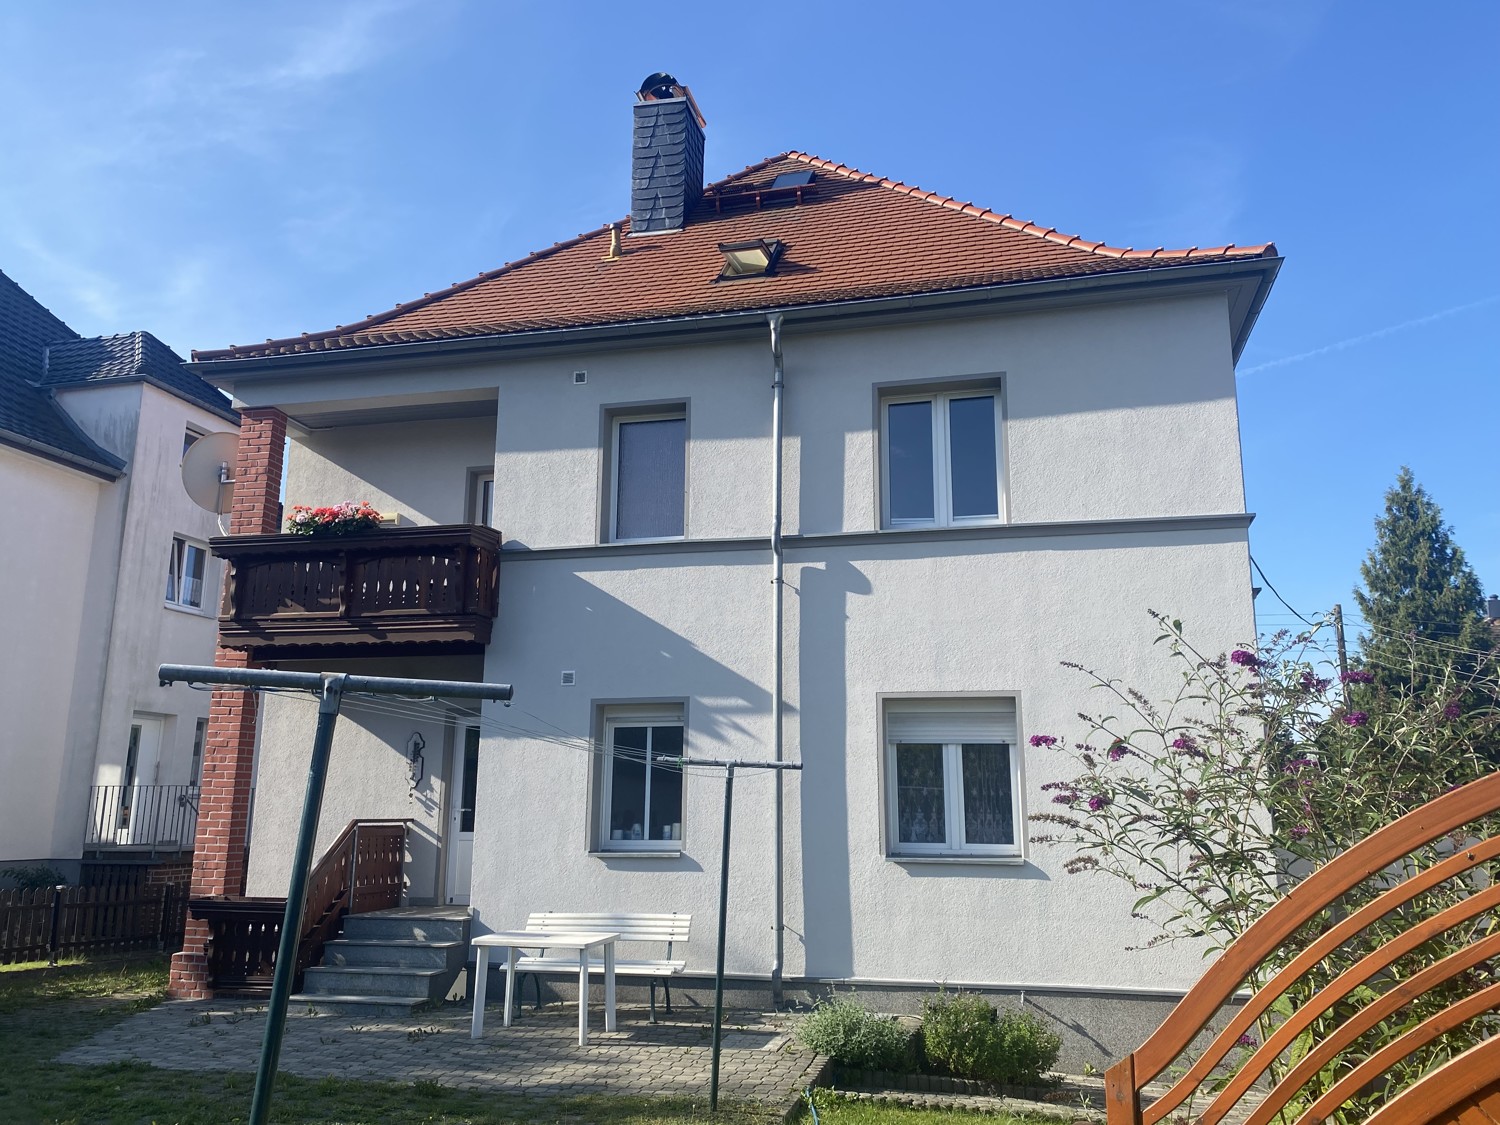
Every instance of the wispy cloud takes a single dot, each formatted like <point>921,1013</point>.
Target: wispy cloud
<point>1368,337</point>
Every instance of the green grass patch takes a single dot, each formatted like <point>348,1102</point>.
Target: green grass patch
<point>836,1109</point>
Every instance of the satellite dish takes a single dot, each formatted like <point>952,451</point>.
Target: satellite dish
<point>206,471</point>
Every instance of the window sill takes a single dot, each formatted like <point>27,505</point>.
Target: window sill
<point>624,853</point>
<point>194,610</point>
<point>986,860</point>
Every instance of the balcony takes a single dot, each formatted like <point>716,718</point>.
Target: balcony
<point>430,589</point>
<point>141,819</point>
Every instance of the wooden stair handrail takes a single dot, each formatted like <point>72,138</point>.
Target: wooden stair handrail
<point>333,886</point>
<point>1370,857</point>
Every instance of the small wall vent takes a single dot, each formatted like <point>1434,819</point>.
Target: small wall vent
<point>568,679</point>
<point>580,378</point>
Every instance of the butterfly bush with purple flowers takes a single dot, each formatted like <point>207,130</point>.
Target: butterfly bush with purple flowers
<point>1265,764</point>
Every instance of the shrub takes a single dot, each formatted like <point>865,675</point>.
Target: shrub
<point>844,1030</point>
<point>963,1036</point>
<point>34,878</point>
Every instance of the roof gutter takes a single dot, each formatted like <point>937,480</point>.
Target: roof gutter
<point>225,373</point>
<point>52,453</point>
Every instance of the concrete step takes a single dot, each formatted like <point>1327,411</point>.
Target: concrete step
<point>349,953</point>
<point>376,980</point>
<point>383,925</point>
<point>367,1007</point>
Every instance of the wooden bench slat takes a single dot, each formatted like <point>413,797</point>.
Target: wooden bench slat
<point>624,968</point>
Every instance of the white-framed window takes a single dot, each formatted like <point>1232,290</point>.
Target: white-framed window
<point>952,778</point>
<point>641,805</point>
<point>185,573</point>
<point>200,740</point>
<point>482,497</point>
<point>649,476</point>
<point>940,459</point>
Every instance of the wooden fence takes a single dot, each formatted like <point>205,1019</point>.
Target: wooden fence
<point>51,922</point>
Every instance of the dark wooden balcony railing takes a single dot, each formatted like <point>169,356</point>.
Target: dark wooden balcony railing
<point>360,872</point>
<point>433,586</point>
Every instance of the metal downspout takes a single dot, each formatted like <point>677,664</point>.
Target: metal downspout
<point>777,591</point>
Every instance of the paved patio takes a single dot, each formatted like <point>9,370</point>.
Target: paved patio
<point>538,1055</point>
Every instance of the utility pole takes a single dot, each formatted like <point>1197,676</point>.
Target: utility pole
<point>330,688</point>
<point>1338,629</point>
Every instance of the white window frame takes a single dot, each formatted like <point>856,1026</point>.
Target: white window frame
<point>200,747</point>
<point>668,414</point>
<point>176,566</point>
<point>942,484</point>
<point>664,716</point>
<point>482,497</point>
<point>954,845</point>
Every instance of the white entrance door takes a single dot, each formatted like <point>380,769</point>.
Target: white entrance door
<point>461,819</point>
<point>136,810</point>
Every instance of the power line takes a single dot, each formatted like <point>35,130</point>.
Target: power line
<point>1277,594</point>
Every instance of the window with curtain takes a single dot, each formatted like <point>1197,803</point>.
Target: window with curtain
<point>650,476</point>
<point>953,778</point>
<point>185,572</point>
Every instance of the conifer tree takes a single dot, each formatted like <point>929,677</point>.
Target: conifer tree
<point>1421,600</point>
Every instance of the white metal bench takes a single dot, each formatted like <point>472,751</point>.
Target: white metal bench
<point>667,928</point>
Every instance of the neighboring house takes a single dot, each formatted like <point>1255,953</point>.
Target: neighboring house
<point>106,574</point>
<point>1001,446</point>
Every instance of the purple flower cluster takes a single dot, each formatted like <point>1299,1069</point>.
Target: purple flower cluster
<point>1452,711</point>
<point>1247,1040</point>
<point>1301,832</point>
<point>1315,685</point>
<point>1187,746</point>
<point>1065,798</point>
<point>1118,751</point>
<point>1043,740</point>
<point>1357,677</point>
<point>1296,764</point>
<point>1356,718</point>
<point>1245,658</point>
<point>1097,802</point>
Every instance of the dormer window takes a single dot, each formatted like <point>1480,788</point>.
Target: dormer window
<point>756,258</point>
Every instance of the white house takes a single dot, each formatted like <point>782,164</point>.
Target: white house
<point>106,573</point>
<point>999,446</point>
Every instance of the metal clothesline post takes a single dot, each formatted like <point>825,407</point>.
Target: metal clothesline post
<point>728,766</point>
<point>330,687</point>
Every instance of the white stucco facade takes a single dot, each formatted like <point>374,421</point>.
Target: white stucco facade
<point>88,621</point>
<point>1120,467</point>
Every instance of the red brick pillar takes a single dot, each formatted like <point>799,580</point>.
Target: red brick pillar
<point>229,756</point>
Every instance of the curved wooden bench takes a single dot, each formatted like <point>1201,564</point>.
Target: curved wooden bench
<point>1466,1084</point>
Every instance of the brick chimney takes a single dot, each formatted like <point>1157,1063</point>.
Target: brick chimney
<point>666,165</point>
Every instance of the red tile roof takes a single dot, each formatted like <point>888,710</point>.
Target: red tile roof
<point>855,236</point>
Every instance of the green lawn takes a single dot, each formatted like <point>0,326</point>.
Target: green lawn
<point>43,1012</point>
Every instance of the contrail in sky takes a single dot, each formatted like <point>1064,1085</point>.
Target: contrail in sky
<point>1353,341</point>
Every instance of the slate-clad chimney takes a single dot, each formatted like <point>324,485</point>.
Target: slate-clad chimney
<point>666,166</point>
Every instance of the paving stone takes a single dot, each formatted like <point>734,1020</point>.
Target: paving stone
<point>538,1054</point>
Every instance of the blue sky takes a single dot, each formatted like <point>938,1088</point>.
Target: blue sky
<point>220,174</point>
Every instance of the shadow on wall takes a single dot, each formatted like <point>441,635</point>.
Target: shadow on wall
<point>645,658</point>
<point>827,914</point>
